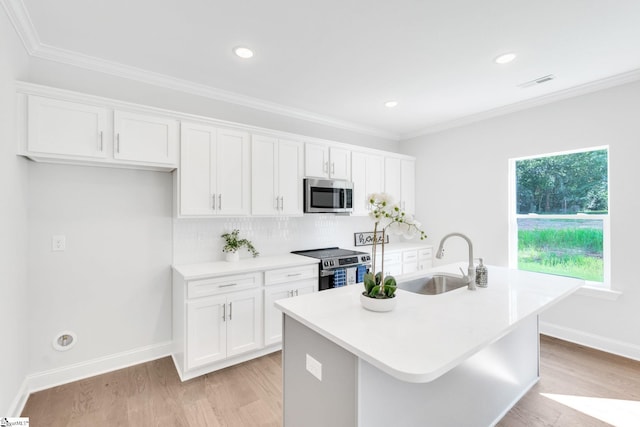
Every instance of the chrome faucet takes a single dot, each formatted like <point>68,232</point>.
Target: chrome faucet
<point>471,271</point>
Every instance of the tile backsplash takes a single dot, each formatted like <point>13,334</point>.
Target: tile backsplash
<point>198,240</point>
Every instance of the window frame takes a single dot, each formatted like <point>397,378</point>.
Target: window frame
<point>606,218</point>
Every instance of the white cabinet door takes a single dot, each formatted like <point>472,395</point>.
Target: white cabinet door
<point>206,331</point>
<point>392,179</point>
<point>264,177</point>
<point>197,157</point>
<point>145,138</point>
<point>244,325</point>
<point>232,174</point>
<point>367,174</point>
<point>214,171</point>
<point>290,175</point>
<point>276,176</point>
<point>273,316</point>
<point>408,185</point>
<point>339,163</point>
<point>316,160</point>
<point>323,161</point>
<point>66,128</point>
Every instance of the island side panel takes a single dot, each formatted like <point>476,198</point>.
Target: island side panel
<point>311,402</point>
<point>478,392</point>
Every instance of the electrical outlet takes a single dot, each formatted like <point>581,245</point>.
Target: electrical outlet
<point>314,367</point>
<point>58,243</point>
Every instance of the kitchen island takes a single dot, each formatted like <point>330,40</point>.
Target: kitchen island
<point>462,358</point>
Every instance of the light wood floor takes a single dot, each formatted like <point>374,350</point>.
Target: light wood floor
<point>250,394</point>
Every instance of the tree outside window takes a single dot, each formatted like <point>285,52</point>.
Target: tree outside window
<point>561,213</point>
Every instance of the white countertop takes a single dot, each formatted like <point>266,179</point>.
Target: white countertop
<point>393,247</point>
<point>427,335</point>
<point>248,265</point>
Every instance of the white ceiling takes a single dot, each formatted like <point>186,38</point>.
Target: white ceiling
<point>340,60</point>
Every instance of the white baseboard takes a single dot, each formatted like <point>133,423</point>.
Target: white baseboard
<point>621,348</point>
<point>18,403</point>
<point>66,374</point>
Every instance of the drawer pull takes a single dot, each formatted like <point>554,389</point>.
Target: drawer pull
<point>294,274</point>
<point>228,285</point>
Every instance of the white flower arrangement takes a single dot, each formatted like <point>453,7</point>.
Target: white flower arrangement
<point>388,217</point>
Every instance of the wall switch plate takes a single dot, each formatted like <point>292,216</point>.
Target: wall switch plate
<point>314,367</point>
<point>58,243</point>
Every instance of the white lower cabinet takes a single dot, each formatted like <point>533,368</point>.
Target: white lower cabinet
<point>223,326</point>
<point>405,260</point>
<point>273,316</point>
<point>220,320</point>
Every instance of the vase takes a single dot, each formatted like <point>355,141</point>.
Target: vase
<point>233,256</point>
<point>378,304</point>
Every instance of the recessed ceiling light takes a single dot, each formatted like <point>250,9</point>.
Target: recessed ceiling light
<point>505,58</point>
<point>391,104</point>
<point>243,52</point>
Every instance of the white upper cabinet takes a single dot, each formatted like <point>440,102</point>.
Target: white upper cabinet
<point>145,138</point>
<point>367,173</point>
<point>214,171</point>
<point>276,176</point>
<point>67,128</point>
<point>75,132</point>
<point>323,161</point>
<point>399,181</point>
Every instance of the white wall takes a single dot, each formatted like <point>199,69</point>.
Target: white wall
<point>13,228</point>
<point>462,186</point>
<point>112,284</point>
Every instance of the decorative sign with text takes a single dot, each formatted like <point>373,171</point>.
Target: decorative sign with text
<point>366,238</point>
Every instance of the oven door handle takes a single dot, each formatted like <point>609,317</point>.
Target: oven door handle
<point>326,273</point>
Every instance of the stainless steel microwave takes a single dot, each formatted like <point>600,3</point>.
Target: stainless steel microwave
<point>328,196</point>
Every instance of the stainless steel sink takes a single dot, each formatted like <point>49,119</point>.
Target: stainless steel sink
<point>433,285</point>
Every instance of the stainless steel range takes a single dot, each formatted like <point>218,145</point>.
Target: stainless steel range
<point>339,267</point>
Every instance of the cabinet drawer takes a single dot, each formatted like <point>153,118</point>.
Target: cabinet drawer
<point>424,254</point>
<point>284,275</point>
<point>409,256</point>
<point>391,258</point>
<point>218,285</point>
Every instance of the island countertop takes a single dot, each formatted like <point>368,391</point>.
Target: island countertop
<point>427,335</point>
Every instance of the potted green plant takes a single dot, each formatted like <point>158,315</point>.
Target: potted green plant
<point>233,244</point>
<point>388,217</point>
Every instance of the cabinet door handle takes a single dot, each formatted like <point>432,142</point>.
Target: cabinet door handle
<point>277,205</point>
<point>101,133</point>
<point>281,203</point>
<point>117,143</point>
<point>224,312</point>
<point>213,201</point>
<point>220,201</point>
<point>333,168</point>
<point>230,310</point>
<point>227,285</point>
<point>290,293</point>
<point>296,292</point>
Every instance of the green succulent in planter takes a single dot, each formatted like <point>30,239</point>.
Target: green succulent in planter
<point>233,244</point>
<point>388,218</point>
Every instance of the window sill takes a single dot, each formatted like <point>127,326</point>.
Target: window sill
<point>603,293</point>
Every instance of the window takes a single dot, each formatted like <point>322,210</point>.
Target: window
<point>559,214</point>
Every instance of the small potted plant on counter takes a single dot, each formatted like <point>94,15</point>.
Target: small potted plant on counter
<point>233,244</point>
<point>379,293</point>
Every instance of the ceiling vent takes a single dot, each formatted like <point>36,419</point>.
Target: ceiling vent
<point>538,81</point>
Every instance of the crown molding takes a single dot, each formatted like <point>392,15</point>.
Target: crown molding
<point>19,17</point>
<point>583,89</point>
<point>21,21</point>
